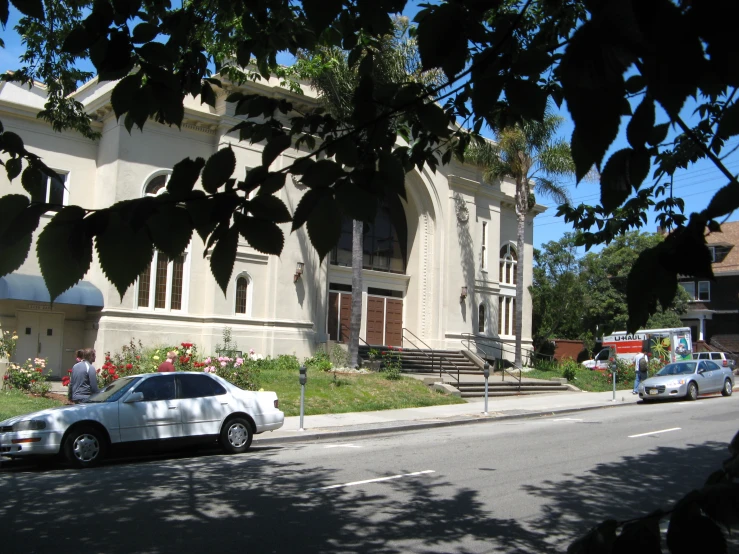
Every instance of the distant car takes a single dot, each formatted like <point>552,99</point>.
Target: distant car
<point>688,379</point>
<point>721,358</point>
<point>154,409</point>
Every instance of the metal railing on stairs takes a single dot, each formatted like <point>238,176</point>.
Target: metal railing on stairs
<point>493,350</point>
<point>433,355</point>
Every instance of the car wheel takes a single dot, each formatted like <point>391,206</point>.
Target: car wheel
<point>692,391</point>
<point>84,447</point>
<point>728,389</point>
<point>236,435</point>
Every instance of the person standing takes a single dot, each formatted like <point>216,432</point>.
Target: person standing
<point>641,367</point>
<point>168,365</point>
<point>83,383</point>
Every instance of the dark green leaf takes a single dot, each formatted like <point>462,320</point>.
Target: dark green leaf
<point>729,124</point>
<point>450,53</point>
<point>307,204</point>
<point>219,167</point>
<point>641,125</point>
<point>625,169</point>
<point>34,183</point>
<point>157,53</point>
<point>526,98</point>
<point>123,252</point>
<point>77,41</point>
<point>322,174</point>
<point>207,96</point>
<point>4,16</point>
<point>170,229</point>
<point>639,537</point>
<point>272,183</point>
<point>13,144</point>
<point>223,257</point>
<point>720,502</point>
<point>16,231</point>
<point>274,147</point>
<point>324,225</point>
<point>699,534</point>
<point>598,540</point>
<point>144,32</point>
<point>391,174</point>
<point>124,94</point>
<point>31,8</point>
<point>639,165</point>
<point>185,174</point>
<point>725,201</point>
<point>269,207</point>
<point>635,84</point>
<point>320,13</point>
<point>13,167</point>
<point>64,250</point>
<point>263,236</point>
<point>659,133</point>
<point>346,151</point>
<point>434,119</point>
<point>202,214</point>
<point>356,202</point>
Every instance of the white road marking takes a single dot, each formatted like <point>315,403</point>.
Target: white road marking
<point>654,432</point>
<point>342,446</point>
<point>378,480</point>
<point>565,419</point>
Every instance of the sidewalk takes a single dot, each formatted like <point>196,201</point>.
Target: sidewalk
<point>385,421</point>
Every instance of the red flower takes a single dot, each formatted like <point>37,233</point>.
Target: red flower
<point>65,381</point>
<point>69,371</point>
<point>138,357</point>
<point>121,366</point>
<point>111,371</point>
<point>107,358</point>
<point>129,366</point>
<point>6,377</point>
<point>39,370</point>
<point>115,377</point>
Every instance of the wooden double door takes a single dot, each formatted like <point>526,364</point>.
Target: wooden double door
<point>383,323</point>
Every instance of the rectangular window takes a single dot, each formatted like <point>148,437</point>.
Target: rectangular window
<point>484,251</point>
<point>53,191</point>
<point>704,291</point>
<point>689,287</point>
<point>166,286</point>
<point>512,328</point>
<point>500,315</point>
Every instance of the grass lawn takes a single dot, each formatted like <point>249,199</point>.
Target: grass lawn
<point>13,403</point>
<point>362,392</point>
<point>585,379</point>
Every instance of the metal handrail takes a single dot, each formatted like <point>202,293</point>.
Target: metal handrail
<point>441,356</point>
<point>499,360</point>
<point>349,332</point>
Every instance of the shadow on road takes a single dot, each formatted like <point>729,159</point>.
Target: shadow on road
<point>256,503</point>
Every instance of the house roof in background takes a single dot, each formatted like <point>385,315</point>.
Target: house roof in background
<point>729,235</point>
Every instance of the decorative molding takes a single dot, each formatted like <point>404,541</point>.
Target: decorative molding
<point>426,298</point>
<point>180,318</point>
<point>200,126</point>
<point>463,212</point>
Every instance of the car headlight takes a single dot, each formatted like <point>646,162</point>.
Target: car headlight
<point>675,383</point>
<point>30,425</point>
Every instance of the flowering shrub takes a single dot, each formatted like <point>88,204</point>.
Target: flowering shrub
<point>8,341</point>
<point>28,376</point>
<point>391,364</point>
<point>241,372</point>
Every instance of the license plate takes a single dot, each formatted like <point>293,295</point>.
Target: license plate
<point>653,391</point>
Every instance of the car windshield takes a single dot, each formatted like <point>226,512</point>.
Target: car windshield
<point>115,390</point>
<point>681,368</point>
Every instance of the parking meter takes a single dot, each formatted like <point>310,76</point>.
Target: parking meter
<point>614,367</point>
<point>303,381</point>
<point>486,373</point>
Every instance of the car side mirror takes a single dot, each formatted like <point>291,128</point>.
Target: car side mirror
<point>701,370</point>
<point>134,397</point>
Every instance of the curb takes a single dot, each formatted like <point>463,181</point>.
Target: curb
<point>310,436</point>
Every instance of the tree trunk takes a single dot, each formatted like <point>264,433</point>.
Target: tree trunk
<point>521,209</point>
<point>355,322</point>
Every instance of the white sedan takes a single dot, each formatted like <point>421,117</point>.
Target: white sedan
<point>151,409</point>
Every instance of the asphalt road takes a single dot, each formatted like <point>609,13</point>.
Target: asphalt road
<point>519,486</point>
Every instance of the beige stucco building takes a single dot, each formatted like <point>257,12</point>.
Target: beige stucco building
<point>461,233</point>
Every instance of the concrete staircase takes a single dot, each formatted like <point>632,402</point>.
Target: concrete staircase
<point>471,381</point>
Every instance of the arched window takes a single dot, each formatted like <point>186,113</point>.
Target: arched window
<point>385,241</point>
<point>242,285</point>
<point>508,262</point>
<point>481,319</point>
<point>162,285</point>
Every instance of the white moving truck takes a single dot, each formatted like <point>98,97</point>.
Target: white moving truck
<point>670,345</point>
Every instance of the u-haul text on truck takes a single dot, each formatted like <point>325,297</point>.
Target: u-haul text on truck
<point>671,345</point>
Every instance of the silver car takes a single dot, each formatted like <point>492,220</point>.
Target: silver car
<point>688,379</point>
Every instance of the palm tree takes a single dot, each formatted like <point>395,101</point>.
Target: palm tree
<point>396,60</point>
<point>536,159</point>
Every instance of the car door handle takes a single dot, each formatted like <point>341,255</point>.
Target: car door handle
<point>172,407</point>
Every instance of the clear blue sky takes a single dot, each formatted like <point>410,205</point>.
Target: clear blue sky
<point>696,185</point>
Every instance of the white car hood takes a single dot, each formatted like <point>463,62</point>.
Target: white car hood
<point>74,412</point>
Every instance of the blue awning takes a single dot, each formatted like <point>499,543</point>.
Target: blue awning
<point>32,288</point>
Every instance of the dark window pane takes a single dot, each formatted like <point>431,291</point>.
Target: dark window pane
<point>159,387</point>
<point>481,319</point>
<point>178,268</point>
<point>160,291</point>
<point>56,190</point>
<point>241,288</point>
<point>198,386</point>
<point>144,284</point>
